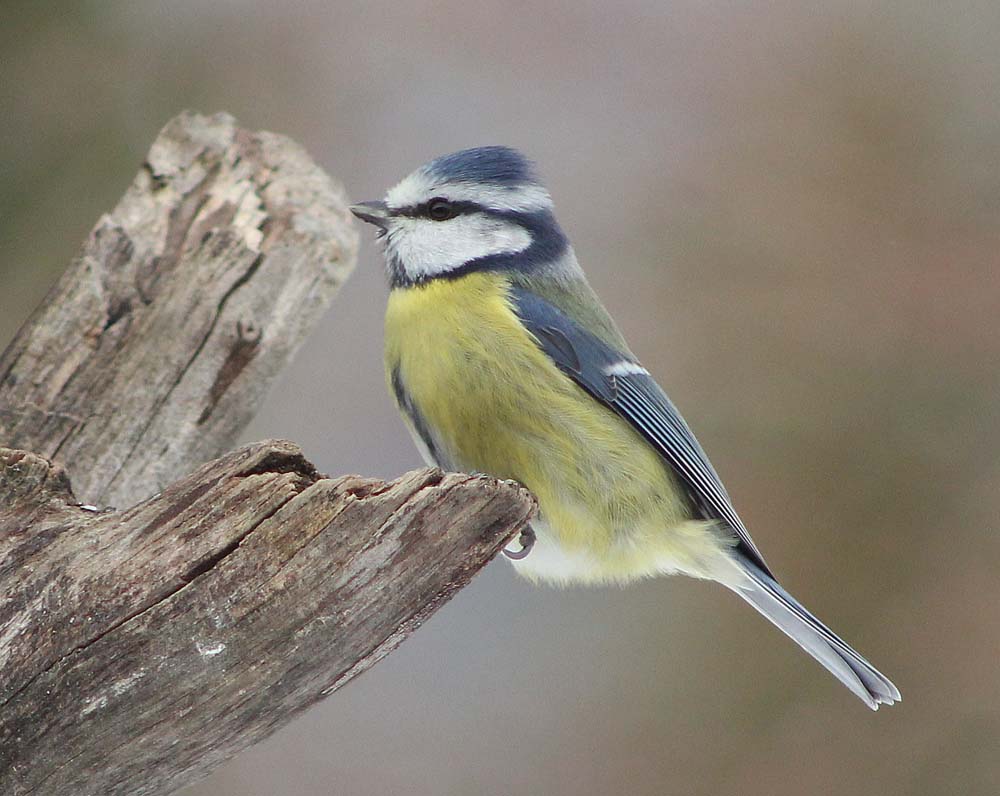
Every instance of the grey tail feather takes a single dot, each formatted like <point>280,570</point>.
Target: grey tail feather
<point>765,594</point>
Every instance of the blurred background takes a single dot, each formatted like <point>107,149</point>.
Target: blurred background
<point>793,209</point>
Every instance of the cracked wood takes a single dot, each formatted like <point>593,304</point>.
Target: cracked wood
<point>159,342</point>
<point>143,647</point>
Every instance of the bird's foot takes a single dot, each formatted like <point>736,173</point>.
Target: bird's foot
<point>526,540</point>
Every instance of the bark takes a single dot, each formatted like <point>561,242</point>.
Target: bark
<point>157,345</point>
<point>140,648</point>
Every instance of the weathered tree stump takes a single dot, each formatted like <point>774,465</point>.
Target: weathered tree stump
<point>157,345</point>
<point>141,647</point>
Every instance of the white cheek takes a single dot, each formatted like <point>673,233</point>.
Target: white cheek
<point>428,248</point>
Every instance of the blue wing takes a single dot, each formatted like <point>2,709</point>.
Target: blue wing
<point>615,379</point>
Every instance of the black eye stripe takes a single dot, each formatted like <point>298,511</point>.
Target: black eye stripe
<point>548,244</point>
<point>422,210</point>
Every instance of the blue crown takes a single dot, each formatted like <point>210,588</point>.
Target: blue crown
<point>487,165</point>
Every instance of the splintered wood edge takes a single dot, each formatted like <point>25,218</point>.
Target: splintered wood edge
<point>159,342</point>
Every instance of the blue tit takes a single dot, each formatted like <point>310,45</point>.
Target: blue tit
<point>503,361</point>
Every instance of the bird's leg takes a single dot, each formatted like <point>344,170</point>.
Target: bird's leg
<point>527,540</point>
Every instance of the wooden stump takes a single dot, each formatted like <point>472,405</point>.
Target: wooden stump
<point>140,648</point>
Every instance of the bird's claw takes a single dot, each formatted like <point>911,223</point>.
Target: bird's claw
<point>527,540</point>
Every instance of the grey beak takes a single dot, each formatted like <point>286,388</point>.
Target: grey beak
<point>376,213</point>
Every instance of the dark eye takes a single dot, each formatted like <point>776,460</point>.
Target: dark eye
<point>441,209</point>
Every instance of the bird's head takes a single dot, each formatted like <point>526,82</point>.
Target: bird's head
<point>478,209</point>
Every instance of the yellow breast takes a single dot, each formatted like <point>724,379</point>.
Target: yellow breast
<point>498,405</point>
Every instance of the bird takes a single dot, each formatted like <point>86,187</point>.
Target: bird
<point>503,361</point>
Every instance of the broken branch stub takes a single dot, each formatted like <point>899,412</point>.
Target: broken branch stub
<point>142,648</point>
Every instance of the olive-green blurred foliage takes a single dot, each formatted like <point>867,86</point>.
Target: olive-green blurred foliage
<point>793,209</point>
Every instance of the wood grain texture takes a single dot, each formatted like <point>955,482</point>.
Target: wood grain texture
<point>142,648</point>
<point>159,342</point>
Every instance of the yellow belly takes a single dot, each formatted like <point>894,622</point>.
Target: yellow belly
<point>610,508</point>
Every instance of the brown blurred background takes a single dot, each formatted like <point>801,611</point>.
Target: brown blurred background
<point>794,213</point>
